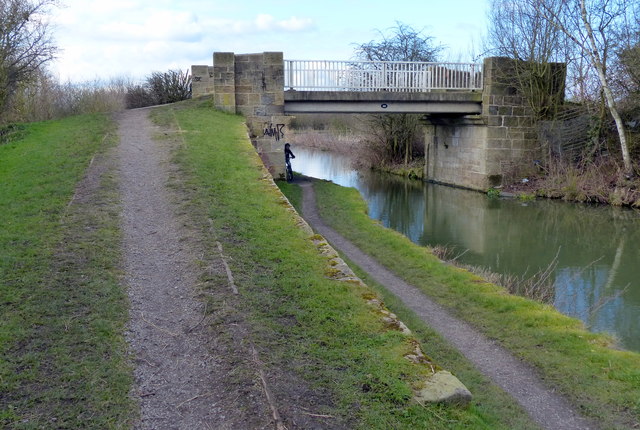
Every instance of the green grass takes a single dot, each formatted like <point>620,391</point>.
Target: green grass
<point>62,310</point>
<point>301,320</point>
<point>603,382</point>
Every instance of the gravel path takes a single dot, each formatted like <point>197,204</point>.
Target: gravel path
<point>548,409</point>
<point>181,373</point>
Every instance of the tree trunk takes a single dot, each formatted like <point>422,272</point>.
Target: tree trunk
<point>611,104</point>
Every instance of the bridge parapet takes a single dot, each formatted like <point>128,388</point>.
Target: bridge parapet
<point>390,76</point>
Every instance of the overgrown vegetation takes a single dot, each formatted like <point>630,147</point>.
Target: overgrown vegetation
<point>538,286</point>
<point>63,311</point>
<point>602,381</point>
<point>25,45</point>
<point>601,180</point>
<point>597,39</point>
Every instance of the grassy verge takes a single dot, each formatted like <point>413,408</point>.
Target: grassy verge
<point>300,319</point>
<point>603,382</point>
<point>62,316</point>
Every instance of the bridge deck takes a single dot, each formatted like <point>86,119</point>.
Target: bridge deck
<point>440,102</point>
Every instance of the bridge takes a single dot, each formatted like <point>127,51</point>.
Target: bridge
<point>381,87</point>
<point>477,128</point>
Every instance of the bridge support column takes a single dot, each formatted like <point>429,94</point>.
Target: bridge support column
<point>486,150</point>
<point>512,140</point>
<point>253,85</point>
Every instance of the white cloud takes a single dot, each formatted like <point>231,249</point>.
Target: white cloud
<point>262,23</point>
<point>158,25</point>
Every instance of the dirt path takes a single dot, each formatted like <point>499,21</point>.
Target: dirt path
<point>548,409</point>
<point>185,377</point>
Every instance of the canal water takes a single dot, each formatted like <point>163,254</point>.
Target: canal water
<point>593,251</point>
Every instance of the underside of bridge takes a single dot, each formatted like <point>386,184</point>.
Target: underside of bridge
<point>381,102</point>
<point>472,138</point>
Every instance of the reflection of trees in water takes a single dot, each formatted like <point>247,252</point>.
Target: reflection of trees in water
<point>398,203</point>
<point>508,236</point>
<point>597,256</point>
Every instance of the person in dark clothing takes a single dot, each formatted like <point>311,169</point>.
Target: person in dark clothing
<point>288,155</point>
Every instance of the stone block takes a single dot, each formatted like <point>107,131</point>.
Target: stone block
<point>267,99</point>
<point>511,121</point>
<point>505,110</point>
<point>242,99</point>
<point>519,111</point>
<point>254,99</point>
<point>244,89</point>
<point>223,58</point>
<point>494,121</point>
<point>226,89</point>
<point>273,58</point>
<point>525,121</point>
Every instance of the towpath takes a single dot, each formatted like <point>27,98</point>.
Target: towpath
<point>185,377</point>
<point>546,407</point>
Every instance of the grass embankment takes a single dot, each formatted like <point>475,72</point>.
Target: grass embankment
<point>301,319</point>
<point>62,310</point>
<point>603,382</point>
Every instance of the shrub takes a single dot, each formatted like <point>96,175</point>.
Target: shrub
<point>160,88</point>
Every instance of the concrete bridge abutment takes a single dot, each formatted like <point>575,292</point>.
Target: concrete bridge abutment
<point>481,151</point>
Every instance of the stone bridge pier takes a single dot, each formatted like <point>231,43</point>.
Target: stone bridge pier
<point>482,151</point>
<point>251,85</point>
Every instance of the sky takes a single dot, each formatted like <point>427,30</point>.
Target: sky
<point>106,39</point>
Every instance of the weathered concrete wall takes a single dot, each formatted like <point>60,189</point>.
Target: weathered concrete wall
<point>455,153</point>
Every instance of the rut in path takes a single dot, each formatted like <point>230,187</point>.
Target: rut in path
<point>548,409</point>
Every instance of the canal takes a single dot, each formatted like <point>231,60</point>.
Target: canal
<point>593,251</point>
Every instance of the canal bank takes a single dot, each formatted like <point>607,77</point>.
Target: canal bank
<point>589,248</point>
<point>546,408</point>
<point>601,381</point>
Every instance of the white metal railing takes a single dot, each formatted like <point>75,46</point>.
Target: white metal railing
<point>400,76</point>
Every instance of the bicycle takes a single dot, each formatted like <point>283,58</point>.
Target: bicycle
<point>288,155</point>
<point>288,172</point>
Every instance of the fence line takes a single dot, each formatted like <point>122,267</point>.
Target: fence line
<point>400,76</point>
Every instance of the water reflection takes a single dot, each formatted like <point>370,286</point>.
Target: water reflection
<point>596,277</point>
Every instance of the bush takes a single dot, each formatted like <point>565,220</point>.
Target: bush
<point>45,98</point>
<point>160,88</point>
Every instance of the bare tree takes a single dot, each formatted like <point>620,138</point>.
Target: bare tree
<point>25,44</point>
<point>398,131</point>
<point>404,44</point>
<point>519,31</point>
<point>595,27</point>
